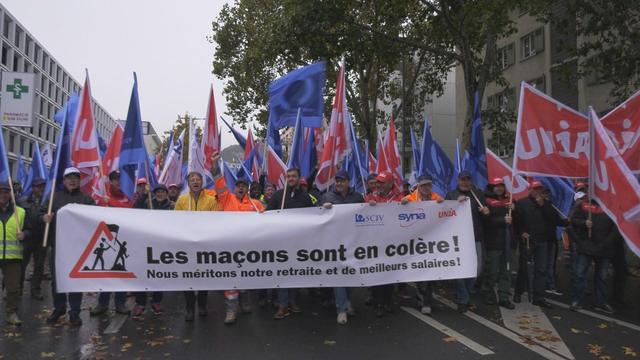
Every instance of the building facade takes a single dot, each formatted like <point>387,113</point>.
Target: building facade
<point>21,52</point>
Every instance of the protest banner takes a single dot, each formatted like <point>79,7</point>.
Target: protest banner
<point>113,249</point>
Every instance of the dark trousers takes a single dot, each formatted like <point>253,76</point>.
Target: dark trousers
<point>600,274</point>
<point>190,297</point>
<point>538,252</point>
<point>496,273</point>
<point>34,249</point>
<point>425,293</point>
<point>119,299</point>
<point>620,270</point>
<point>60,299</point>
<point>11,276</point>
<point>156,298</point>
<point>382,294</point>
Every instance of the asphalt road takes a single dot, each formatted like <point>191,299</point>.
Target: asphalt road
<point>486,332</point>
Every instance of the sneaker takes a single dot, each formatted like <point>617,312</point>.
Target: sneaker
<point>230,318</point>
<point>157,309</point>
<point>553,292</point>
<point>13,319</point>
<point>138,311</point>
<point>426,310</point>
<point>189,316</point>
<point>55,316</point>
<point>281,313</point>
<point>74,319</point>
<point>605,308</point>
<point>122,309</point>
<point>295,309</point>
<point>98,310</point>
<point>575,306</point>
<point>342,318</point>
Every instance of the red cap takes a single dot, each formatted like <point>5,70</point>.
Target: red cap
<point>141,181</point>
<point>581,185</point>
<point>535,185</point>
<point>497,181</point>
<point>385,177</point>
<point>303,181</point>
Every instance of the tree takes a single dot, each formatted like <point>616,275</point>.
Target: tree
<point>182,123</point>
<point>258,41</point>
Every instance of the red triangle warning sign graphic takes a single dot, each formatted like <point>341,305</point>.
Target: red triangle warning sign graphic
<point>109,256</point>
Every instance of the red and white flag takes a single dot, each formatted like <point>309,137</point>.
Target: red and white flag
<point>85,151</point>
<point>111,160</point>
<point>211,135</point>
<point>394,160</point>
<point>276,169</point>
<point>383,164</point>
<point>551,138</point>
<point>497,168</point>
<point>250,145</point>
<point>612,183</point>
<point>623,126</point>
<point>373,163</point>
<point>337,144</point>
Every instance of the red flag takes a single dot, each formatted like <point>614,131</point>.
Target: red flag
<point>614,186</point>
<point>551,138</point>
<point>383,163</point>
<point>623,126</point>
<point>111,160</point>
<point>394,160</point>
<point>250,145</point>
<point>337,144</point>
<point>499,169</point>
<point>211,135</point>
<point>276,169</point>
<point>85,153</point>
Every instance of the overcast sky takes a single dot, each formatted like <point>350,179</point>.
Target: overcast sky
<point>163,41</point>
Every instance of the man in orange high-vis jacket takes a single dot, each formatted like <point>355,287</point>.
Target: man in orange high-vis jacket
<point>423,193</point>
<point>239,200</point>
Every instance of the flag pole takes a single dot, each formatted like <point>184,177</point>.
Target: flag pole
<point>591,178</point>
<point>49,207</point>
<point>146,162</point>
<point>284,192</point>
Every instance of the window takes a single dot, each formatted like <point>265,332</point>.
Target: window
<point>22,142</point>
<point>532,43</point>
<point>16,63</point>
<point>502,101</point>
<point>12,142</point>
<point>538,83</point>
<point>45,62</point>
<point>5,28</point>
<point>36,55</point>
<point>27,45</point>
<point>506,56</point>
<point>5,54</point>
<point>17,37</point>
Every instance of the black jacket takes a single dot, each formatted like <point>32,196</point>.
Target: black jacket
<point>296,198</point>
<point>497,232</point>
<point>143,203</point>
<point>32,215</point>
<point>479,220</point>
<point>60,199</point>
<point>604,233</point>
<point>539,222</point>
<point>331,196</point>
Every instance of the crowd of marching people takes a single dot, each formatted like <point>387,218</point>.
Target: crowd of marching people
<point>504,229</point>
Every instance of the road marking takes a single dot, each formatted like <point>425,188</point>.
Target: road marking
<point>116,323</point>
<point>448,331</point>
<point>529,344</point>
<point>598,316</point>
<point>532,323</point>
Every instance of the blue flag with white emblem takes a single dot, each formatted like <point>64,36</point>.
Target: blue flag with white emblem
<point>435,163</point>
<point>475,158</point>
<point>301,89</point>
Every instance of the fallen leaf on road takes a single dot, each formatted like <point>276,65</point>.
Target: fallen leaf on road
<point>595,349</point>
<point>576,331</point>
<point>154,343</point>
<point>605,357</point>
<point>47,355</point>
<point>186,341</point>
<point>603,326</point>
<point>330,342</point>
<point>557,317</point>
<point>449,339</point>
<point>629,351</point>
<point>126,346</point>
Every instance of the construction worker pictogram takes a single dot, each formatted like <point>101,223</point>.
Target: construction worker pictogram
<point>104,248</point>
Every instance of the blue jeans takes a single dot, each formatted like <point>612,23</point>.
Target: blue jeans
<point>342,299</point>
<point>119,299</point>
<point>464,286</point>
<point>286,297</point>
<point>601,273</point>
<point>60,299</point>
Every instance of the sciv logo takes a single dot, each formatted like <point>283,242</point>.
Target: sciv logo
<point>369,220</point>
<point>408,219</point>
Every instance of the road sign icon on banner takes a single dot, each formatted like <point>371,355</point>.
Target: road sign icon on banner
<point>107,250</point>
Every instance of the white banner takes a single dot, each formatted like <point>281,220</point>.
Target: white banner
<point>18,96</point>
<point>112,249</point>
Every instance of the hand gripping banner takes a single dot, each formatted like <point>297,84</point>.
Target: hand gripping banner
<point>112,249</point>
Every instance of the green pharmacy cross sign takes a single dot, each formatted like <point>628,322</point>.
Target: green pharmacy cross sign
<point>17,89</point>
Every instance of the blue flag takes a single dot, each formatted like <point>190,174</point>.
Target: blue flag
<point>242,141</point>
<point>62,157</point>
<point>21,174</point>
<point>475,158</point>
<point>229,175</point>
<point>561,192</point>
<point>309,156</point>
<point>360,161</point>
<point>273,137</point>
<point>415,150</point>
<point>69,110</point>
<point>133,152</point>
<point>169,145</point>
<point>434,162</point>
<point>37,170</point>
<point>302,89</point>
<point>5,172</point>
